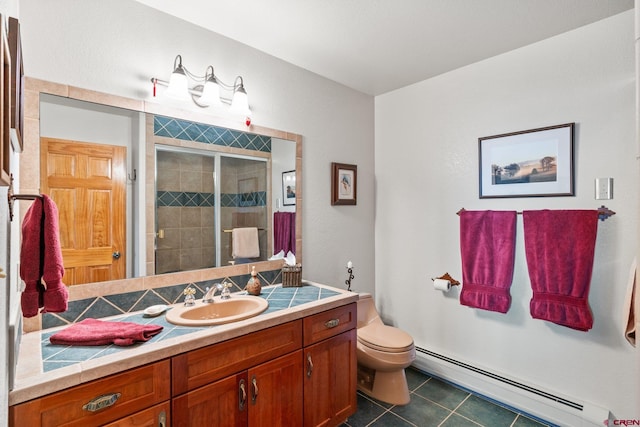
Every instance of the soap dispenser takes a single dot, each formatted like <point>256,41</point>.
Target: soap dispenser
<point>253,285</point>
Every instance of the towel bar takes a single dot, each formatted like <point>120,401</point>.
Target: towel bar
<point>231,230</point>
<point>12,197</point>
<point>603,212</point>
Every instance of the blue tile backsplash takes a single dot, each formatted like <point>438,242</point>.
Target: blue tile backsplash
<point>113,305</point>
<point>58,356</point>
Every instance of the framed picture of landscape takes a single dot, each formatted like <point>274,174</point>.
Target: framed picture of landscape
<point>530,163</point>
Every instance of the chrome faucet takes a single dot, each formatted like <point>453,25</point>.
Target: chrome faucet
<point>210,293</point>
<point>225,293</point>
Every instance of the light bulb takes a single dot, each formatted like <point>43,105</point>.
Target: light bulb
<point>210,93</point>
<point>178,85</point>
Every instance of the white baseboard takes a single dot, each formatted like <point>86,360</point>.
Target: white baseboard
<point>544,408</point>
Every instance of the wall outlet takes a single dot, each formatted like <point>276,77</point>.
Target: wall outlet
<point>604,188</point>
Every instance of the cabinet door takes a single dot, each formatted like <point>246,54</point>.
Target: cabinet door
<point>275,389</point>
<point>158,416</point>
<point>330,380</point>
<point>222,403</point>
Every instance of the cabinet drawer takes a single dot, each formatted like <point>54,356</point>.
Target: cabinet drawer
<point>206,365</point>
<point>85,405</point>
<point>329,323</point>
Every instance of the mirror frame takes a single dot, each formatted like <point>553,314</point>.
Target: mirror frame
<point>29,182</point>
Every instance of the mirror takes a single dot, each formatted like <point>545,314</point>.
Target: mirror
<point>164,157</point>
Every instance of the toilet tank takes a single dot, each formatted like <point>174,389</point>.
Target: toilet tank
<point>367,312</point>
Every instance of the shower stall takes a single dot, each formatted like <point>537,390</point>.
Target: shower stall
<point>201,196</point>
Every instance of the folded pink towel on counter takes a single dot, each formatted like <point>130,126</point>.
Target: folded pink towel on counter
<point>559,246</point>
<point>101,332</point>
<point>487,246</point>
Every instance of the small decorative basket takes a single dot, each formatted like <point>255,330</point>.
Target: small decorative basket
<point>291,276</point>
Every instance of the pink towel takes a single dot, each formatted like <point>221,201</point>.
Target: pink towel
<point>487,245</point>
<point>101,332</point>
<point>56,295</point>
<point>559,247</point>
<point>284,232</point>
<point>41,258</point>
<point>30,258</point>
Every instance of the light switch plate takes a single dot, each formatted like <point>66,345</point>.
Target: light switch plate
<point>604,188</point>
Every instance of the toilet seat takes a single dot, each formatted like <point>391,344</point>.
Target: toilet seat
<point>385,338</point>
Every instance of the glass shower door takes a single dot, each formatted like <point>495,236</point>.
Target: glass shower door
<point>185,211</point>
<point>243,203</point>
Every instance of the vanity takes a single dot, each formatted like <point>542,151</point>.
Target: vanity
<point>292,367</point>
<point>294,364</point>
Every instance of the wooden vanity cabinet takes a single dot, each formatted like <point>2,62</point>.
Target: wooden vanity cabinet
<point>299,373</point>
<point>330,366</point>
<point>251,380</point>
<point>120,399</point>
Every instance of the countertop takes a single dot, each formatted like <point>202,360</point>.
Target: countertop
<point>33,380</point>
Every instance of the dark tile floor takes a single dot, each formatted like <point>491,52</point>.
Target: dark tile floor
<point>437,403</point>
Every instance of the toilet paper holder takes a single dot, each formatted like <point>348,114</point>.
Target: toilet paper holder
<point>447,276</point>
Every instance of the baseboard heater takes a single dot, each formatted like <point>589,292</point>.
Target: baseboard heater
<point>502,379</point>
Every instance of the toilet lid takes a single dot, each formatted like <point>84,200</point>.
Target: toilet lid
<point>385,338</point>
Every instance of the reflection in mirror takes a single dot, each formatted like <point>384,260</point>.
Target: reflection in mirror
<point>193,195</point>
<point>253,185</point>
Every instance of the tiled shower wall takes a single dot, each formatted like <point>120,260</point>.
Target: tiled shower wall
<point>186,214</point>
<point>184,133</point>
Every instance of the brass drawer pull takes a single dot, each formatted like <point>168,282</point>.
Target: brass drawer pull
<point>101,402</point>
<point>332,323</point>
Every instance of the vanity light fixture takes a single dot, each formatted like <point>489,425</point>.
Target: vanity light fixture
<point>207,91</point>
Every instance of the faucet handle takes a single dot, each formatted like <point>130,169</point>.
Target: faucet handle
<point>225,292</point>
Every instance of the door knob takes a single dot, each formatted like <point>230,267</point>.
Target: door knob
<point>116,255</point>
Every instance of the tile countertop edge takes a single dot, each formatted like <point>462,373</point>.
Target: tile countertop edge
<point>30,385</point>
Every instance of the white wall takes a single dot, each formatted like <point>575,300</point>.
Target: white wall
<point>117,46</point>
<point>426,163</point>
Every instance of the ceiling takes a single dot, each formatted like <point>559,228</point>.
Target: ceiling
<point>376,46</point>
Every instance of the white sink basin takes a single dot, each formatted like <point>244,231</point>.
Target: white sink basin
<point>219,312</point>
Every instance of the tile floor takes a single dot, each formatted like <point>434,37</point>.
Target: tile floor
<point>437,403</point>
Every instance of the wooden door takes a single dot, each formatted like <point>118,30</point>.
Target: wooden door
<point>330,380</point>
<point>275,392</point>
<point>88,184</point>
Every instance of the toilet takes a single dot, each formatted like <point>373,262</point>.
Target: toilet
<point>383,353</point>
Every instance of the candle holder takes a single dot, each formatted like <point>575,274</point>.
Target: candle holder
<point>351,277</point>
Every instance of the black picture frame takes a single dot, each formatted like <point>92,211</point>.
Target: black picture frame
<point>289,188</point>
<point>531,163</point>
